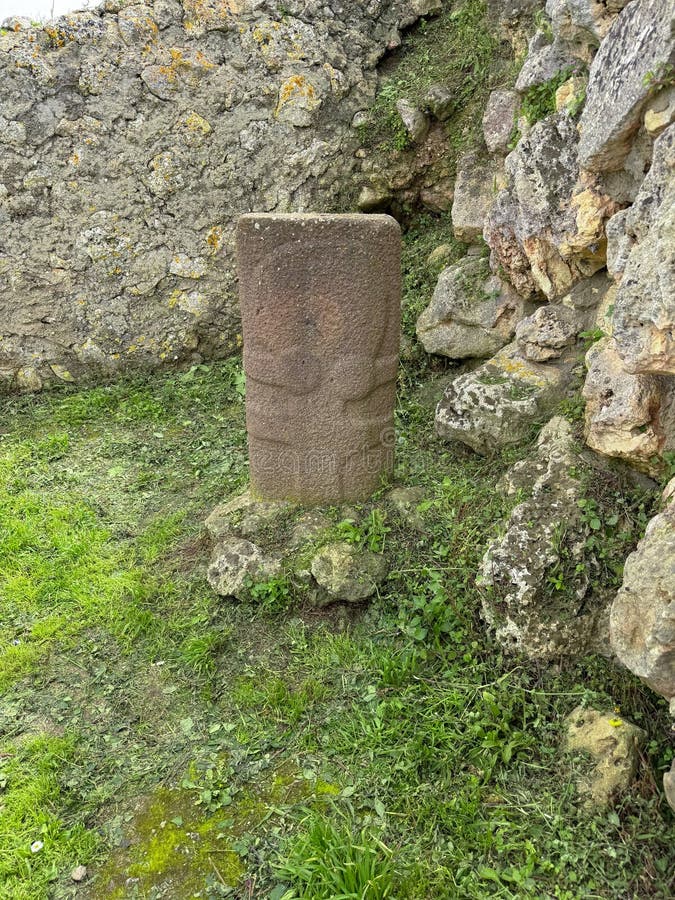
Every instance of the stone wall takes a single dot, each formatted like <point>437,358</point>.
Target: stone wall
<point>131,139</point>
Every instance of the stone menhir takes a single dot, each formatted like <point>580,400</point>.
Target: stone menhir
<point>320,304</point>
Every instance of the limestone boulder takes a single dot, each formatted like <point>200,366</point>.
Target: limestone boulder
<point>474,194</point>
<point>496,405</point>
<point>644,313</point>
<point>582,24</point>
<point>471,314</point>
<point>547,332</point>
<point>543,62</point>
<point>499,120</point>
<point>642,619</point>
<point>347,573</point>
<point>613,744</point>
<point>631,417</point>
<point>237,563</point>
<point>546,228</point>
<point>636,51</point>
<point>533,597</point>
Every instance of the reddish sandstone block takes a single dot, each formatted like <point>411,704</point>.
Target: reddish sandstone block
<point>320,302</point>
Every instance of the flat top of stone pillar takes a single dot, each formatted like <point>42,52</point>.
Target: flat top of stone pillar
<point>374,220</point>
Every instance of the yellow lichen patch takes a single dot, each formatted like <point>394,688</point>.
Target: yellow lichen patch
<point>214,238</point>
<point>203,15</point>
<point>61,372</point>
<point>297,89</point>
<point>194,124</point>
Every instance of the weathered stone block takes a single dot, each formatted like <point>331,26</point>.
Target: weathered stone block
<point>644,314</point>
<point>471,314</point>
<point>642,619</point>
<point>631,417</point>
<point>320,299</point>
<point>499,119</point>
<point>496,405</point>
<point>474,194</point>
<point>635,54</point>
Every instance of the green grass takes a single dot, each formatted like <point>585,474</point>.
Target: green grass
<point>382,751</point>
<point>456,48</point>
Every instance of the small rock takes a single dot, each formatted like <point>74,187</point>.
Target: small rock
<point>660,113</point>
<point>613,743</point>
<point>373,198</point>
<point>245,516</point>
<point>308,527</point>
<point>405,501</point>
<point>570,94</point>
<point>414,120</point>
<point>347,573</point>
<point>439,100</point>
<point>438,196</point>
<point>79,873</point>
<point>235,563</point>
<point>440,256</point>
<point>499,120</point>
<point>547,333</point>
<point>543,62</point>
<point>474,195</point>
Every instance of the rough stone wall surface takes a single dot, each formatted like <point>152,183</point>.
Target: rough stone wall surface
<point>131,139</point>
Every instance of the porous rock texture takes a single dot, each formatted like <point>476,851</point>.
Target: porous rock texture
<point>134,135</point>
<point>642,619</point>
<point>546,228</point>
<point>631,417</point>
<point>471,314</point>
<point>613,743</point>
<point>545,537</point>
<point>636,53</point>
<point>496,405</point>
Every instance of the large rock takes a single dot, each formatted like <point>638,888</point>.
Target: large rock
<point>471,314</point>
<point>132,141</point>
<point>543,62</point>
<point>642,619</point>
<point>547,332</point>
<point>613,744</point>
<point>496,405</point>
<point>582,24</point>
<point>644,312</point>
<point>637,50</point>
<point>546,228</point>
<point>631,417</point>
<point>474,194</point>
<point>533,596</point>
